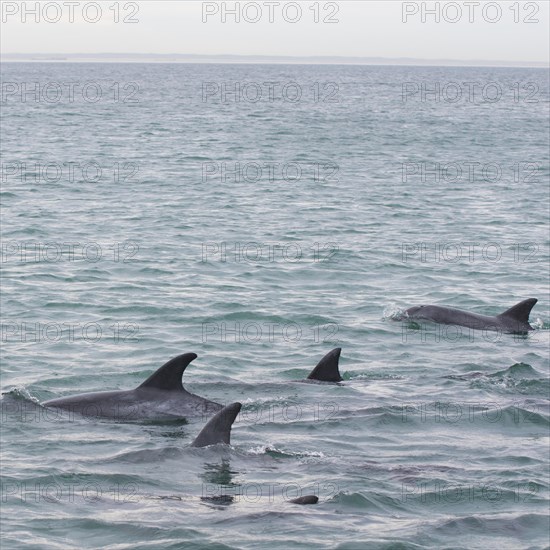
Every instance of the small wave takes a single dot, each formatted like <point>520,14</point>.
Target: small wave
<point>499,526</point>
<point>18,394</point>
<point>465,377</point>
<point>393,312</point>
<point>518,371</point>
<point>519,378</point>
<point>279,453</point>
<point>373,502</point>
<point>540,324</point>
<point>146,456</point>
<point>372,376</point>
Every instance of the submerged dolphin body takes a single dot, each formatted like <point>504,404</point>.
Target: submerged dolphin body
<point>326,369</point>
<point>513,320</point>
<point>161,397</point>
<point>307,499</point>
<point>218,428</point>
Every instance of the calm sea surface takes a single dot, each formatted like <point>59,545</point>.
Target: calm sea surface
<point>259,216</point>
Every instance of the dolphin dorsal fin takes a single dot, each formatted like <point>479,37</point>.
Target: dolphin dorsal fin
<point>520,312</point>
<point>168,377</point>
<point>218,428</point>
<point>327,368</point>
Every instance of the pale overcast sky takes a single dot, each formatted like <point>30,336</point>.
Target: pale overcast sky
<point>508,31</point>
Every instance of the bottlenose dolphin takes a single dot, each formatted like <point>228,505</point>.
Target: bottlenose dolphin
<point>218,428</point>
<point>327,368</point>
<point>161,397</point>
<point>513,320</point>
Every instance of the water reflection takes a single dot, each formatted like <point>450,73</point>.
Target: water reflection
<point>219,485</point>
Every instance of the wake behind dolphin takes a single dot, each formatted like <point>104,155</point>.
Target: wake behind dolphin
<point>514,320</point>
<point>161,397</point>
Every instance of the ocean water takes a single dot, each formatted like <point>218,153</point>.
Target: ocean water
<point>259,216</point>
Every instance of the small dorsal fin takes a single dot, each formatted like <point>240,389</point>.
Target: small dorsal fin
<point>327,368</point>
<point>168,377</point>
<point>218,428</point>
<point>520,312</point>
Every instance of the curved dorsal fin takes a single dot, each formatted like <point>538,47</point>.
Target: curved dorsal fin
<point>168,377</point>
<point>218,428</point>
<point>520,312</point>
<point>327,368</point>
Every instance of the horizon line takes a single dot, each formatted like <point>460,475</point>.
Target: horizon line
<point>258,58</point>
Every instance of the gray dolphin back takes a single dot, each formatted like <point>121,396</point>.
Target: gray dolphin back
<point>162,396</point>
<point>218,428</point>
<point>327,368</point>
<point>513,320</point>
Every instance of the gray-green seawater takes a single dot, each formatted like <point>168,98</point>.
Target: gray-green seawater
<point>164,217</point>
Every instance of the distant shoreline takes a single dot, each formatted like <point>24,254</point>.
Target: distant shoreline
<point>261,59</point>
